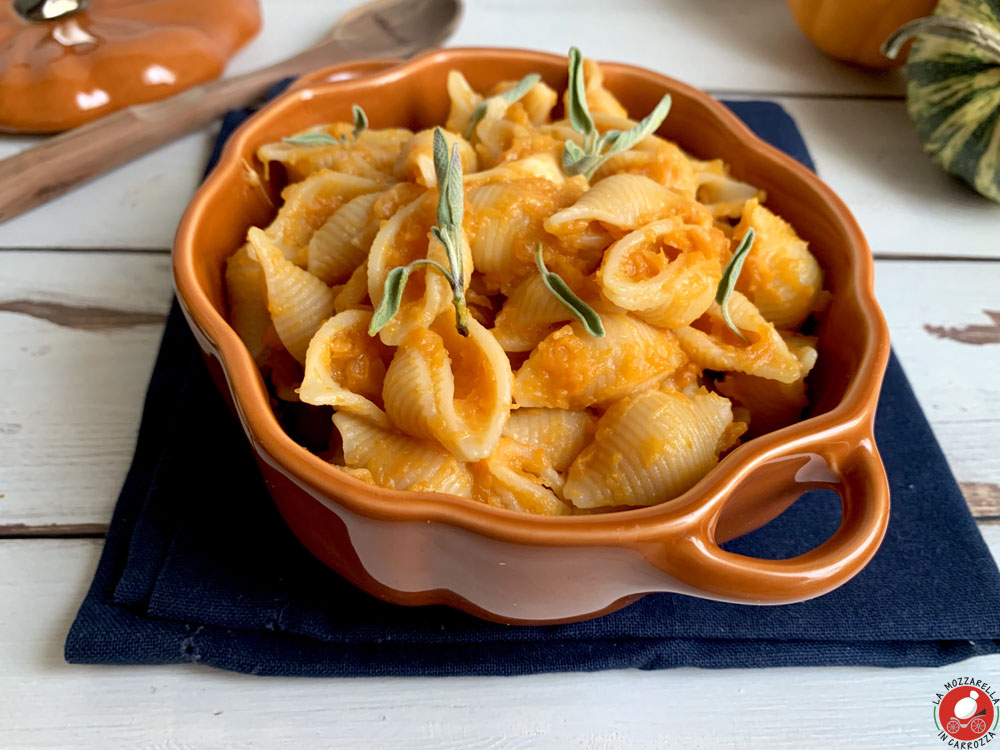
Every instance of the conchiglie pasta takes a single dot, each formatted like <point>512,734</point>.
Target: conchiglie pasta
<point>780,276</point>
<point>570,369</point>
<point>297,301</point>
<point>307,206</point>
<point>401,240</point>
<point>600,101</point>
<point>372,156</point>
<point>416,160</point>
<point>400,462</point>
<point>522,406</point>
<point>724,196</point>
<point>451,388</point>
<point>247,296</point>
<point>345,367</point>
<point>503,222</point>
<point>343,242</point>
<point>560,434</point>
<point>517,477</point>
<point>621,203</point>
<point>656,158</point>
<point>710,343</point>
<point>649,448</point>
<point>666,272</point>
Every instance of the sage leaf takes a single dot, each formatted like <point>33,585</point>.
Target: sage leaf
<point>441,166</point>
<point>578,111</point>
<point>729,276</point>
<point>392,297</point>
<point>311,139</point>
<point>510,96</point>
<point>392,291</point>
<point>583,312</point>
<point>360,121</point>
<point>646,126</point>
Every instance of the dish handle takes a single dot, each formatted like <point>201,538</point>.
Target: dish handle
<point>856,473</point>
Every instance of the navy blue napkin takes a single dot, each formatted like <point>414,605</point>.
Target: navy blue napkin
<point>198,566</point>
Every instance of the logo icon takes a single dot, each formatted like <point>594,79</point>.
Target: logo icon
<point>966,712</point>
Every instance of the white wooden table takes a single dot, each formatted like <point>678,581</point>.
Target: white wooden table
<point>84,287</point>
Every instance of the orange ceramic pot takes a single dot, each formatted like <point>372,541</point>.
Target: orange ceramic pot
<point>413,548</point>
<point>61,67</point>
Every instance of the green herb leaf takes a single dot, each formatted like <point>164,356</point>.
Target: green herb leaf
<point>510,96</point>
<point>311,139</point>
<point>572,154</point>
<point>392,297</point>
<point>360,121</point>
<point>646,126</point>
<point>579,113</point>
<point>583,312</point>
<point>729,276</point>
<point>441,168</point>
<point>392,291</point>
<point>447,231</point>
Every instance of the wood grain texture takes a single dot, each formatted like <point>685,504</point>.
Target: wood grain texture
<point>71,407</point>
<point>45,703</point>
<point>718,46</point>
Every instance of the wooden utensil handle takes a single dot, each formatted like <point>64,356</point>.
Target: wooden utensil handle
<point>61,163</point>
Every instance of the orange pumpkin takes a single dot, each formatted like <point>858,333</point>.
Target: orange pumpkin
<point>65,62</point>
<point>853,30</point>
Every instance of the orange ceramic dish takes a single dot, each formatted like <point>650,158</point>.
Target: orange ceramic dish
<point>421,548</point>
<point>64,64</point>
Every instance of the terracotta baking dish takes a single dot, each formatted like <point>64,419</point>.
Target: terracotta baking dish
<point>412,548</point>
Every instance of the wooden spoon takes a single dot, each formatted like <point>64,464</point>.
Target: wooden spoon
<point>383,28</point>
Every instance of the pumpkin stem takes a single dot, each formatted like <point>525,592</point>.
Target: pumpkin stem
<point>982,36</point>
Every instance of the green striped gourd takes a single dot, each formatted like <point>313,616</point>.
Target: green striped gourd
<point>953,90</point>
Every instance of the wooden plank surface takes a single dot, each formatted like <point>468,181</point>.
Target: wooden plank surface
<point>865,148</point>
<point>45,703</point>
<point>82,329</point>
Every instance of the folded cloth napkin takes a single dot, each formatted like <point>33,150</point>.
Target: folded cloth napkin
<point>199,567</point>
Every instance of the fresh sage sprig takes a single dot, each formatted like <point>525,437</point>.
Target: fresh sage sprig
<point>448,231</point>
<point>510,96</point>
<point>325,139</point>
<point>583,312</point>
<point>729,276</point>
<point>598,148</point>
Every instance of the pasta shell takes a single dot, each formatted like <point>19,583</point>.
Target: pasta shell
<point>656,158</point>
<point>518,478</point>
<point>247,297</point>
<point>780,276</point>
<point>372,156</point>
<point>543,166</point>
<point>345,367</point>
<point>649,448</point>
<point>354,294</point>
<point>297,301</point>
<point>504,224</point>
<point>624,202</point>
<point>416,160</point>
<point>724,195</point>
<point>666,272</point>
<point>308,205</point>
<point>599,99</point>
<point>559,433</point>
<point>342,243</point>
<point>710,343</point>
<point>452,388</point>
<point>463,101</point>
<point>398,461</point>
<point>570,369</point>
<point>531,310</point>
<point>402,239</point>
